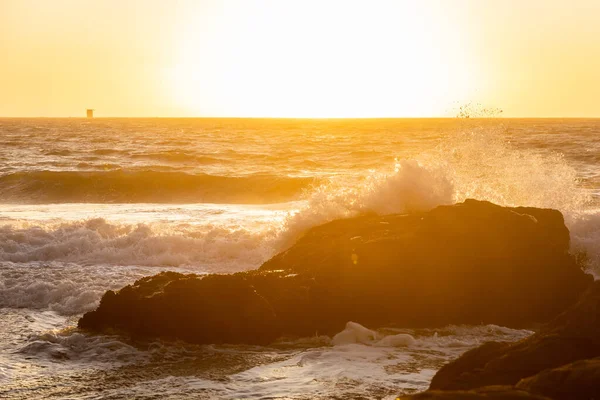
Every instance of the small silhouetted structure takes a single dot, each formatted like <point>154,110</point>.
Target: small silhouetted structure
<point>90,113</point>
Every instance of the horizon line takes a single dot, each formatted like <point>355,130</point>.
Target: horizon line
<point>286,118</point>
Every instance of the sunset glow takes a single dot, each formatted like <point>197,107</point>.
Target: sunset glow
<point>272,58</point>
<point>300,199</point>
<point>346,60</point>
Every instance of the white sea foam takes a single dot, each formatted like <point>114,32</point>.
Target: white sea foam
<point>367,367</point>
<point>218,246</point>
<point>469,172</point>
<point>66,288</point>
<point>473,163</point>
<point>478,163</point>
<point>584,228</point>
<point>481,163</point>
<point>408,187</point>
<point>360,365</point>
<point>97,241</point>
<point>75,346</point>
<point>356,333</point>
<point>56,260</point>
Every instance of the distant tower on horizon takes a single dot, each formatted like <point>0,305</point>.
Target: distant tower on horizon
<point>90,113</point>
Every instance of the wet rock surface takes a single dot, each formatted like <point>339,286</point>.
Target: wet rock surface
<point>559,362</point>
<point>468,263</point>
<point>491,393</point>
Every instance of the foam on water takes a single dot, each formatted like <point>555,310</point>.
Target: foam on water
<point>375,364</point>
<point>73,347</point>
<point>584,228</point>
<point>356,333</point>
<point>57,260</point>
<point>204,237</point>
<point>481,163</point>
<point>97,241</point>
<point>409,187</point>
<point>477,163</point>
<point>66,288</point>
<point>473,163</point>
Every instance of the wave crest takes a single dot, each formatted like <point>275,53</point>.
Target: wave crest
<point>147,186</point>
<point>476,162</point>
<point>97,241</point>
<point>410,187</point>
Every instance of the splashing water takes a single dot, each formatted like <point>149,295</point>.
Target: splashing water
<point>56,260</point>
<point>475,162</point>
<point>474,159</point>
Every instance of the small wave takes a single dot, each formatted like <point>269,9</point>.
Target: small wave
<point>147,186</point>
<point>366,153</point>
<point>84,166</point>
<point>60,153</point>
<point>108,152</point>
<point>12,143</point>
<point>179,157</point>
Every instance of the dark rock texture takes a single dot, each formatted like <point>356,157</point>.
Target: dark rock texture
<point>469,263</point>
<point>561,361</point>
<point>573,335</point>
<point>578,380</point>
<point>487,393</point>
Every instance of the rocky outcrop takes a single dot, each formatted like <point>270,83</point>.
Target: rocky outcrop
<point>560,361</point>
<point>469,263</point>
<point>210,309</point>
<point>578,380</point>
<point>573,335</point>
<point>487,393</point>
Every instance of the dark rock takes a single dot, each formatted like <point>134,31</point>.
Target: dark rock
<point>473,262</point>
<point>210,309</point>
<point>573,335</point>
<point>469,263</point>
<point>487,393</point>
<point>579,380</point>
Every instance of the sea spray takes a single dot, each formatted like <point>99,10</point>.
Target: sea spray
<point>480,160</point>
<point>410,187</point>
<point>477,162</point>
<point>550,163</point>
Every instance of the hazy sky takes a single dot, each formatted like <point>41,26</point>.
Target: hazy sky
<point>302,58</point>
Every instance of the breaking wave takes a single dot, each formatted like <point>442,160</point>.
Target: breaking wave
<point>478,162</point>
<point>96,241</point>
<point>67,289</point>
<point>412,186</point>
<point>122,186</point>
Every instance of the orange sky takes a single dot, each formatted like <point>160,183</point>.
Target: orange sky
<point>309,58</point>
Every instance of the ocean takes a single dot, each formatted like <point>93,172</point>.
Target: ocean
<point>88,205</point>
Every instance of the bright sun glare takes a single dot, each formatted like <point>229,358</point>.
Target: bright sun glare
<point>319,59</point>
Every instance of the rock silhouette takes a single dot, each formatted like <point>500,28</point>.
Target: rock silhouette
<point>561,361</point>
<point>469,263</point>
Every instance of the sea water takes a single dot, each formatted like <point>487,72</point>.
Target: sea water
<point>92,205</point>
